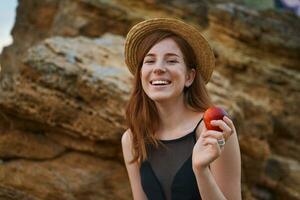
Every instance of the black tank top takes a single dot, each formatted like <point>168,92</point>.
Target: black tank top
<point>167,174</point>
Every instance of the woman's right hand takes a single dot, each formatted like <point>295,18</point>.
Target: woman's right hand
<point>207,148</point>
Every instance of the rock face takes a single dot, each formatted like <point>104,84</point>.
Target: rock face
<point>70,176</point>
<point>69,97</point>
<point>64,87</point>
<point>258,54</point>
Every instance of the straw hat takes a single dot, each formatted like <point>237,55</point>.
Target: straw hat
<point>203,52</point>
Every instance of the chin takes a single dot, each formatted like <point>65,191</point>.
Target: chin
<point>163,96</point>
<point>159,97</point>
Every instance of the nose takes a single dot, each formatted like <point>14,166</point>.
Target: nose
<point>159,69</point>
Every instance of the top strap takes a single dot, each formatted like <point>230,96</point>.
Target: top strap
<point>198,124</point>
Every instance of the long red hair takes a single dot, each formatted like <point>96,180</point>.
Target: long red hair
<point>141,113</point>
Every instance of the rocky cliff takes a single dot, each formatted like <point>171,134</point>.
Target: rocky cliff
<point>64,86</point>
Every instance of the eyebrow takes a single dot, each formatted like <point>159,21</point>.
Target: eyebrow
<point>167,54</point>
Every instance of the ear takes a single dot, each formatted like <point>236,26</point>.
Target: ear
<point>190,76</point>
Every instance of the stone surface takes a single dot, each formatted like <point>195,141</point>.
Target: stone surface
<point>71,176</point>
<point>14,144</point>
<point>258,53</point>
<point>69,96</point>
<point>82,90</point>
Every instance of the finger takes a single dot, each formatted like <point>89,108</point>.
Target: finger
<point>221,143</point>
<point>204,129</point>
<point>222,124</point>
<point>213,134</point>
<point>211,141</point>
<point>230,123</point>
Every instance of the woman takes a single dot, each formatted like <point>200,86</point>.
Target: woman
<point>168,152</point>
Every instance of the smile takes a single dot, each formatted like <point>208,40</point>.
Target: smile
<point>160,82</point>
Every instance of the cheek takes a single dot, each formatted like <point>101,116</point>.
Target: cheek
<point>143,77</point>
<point>144,72</point>
<point>180,75</point>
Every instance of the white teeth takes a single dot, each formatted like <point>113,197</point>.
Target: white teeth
<point>160,82</point>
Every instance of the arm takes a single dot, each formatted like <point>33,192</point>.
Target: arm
<point>132,169</point>
<point>227,169</point>
<point>222,179</point>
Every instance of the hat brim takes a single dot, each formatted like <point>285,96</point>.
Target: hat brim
<point>204,54</point>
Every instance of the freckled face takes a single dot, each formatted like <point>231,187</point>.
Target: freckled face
<point>164,73</point>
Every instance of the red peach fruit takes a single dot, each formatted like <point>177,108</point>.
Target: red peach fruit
<point>213,113</point>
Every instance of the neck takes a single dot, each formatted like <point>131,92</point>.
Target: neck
<point>172,113</point>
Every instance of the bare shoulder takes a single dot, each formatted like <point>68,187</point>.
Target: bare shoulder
<point>132,168</point>
<point>126,142</point>
<point>126,137</point>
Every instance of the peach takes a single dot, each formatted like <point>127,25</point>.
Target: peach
<point>213,113</point>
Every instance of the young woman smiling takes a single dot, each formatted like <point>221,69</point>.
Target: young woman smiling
<point>168,152</point>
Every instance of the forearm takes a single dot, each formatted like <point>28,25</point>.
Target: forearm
<point>207,185</point>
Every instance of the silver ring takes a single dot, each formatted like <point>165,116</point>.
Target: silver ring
<point>221,142</point>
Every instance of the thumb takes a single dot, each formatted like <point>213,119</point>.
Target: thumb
<point>204,129</point>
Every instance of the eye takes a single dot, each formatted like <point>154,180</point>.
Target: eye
<point>149,61</point>
<point>172,61</point>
